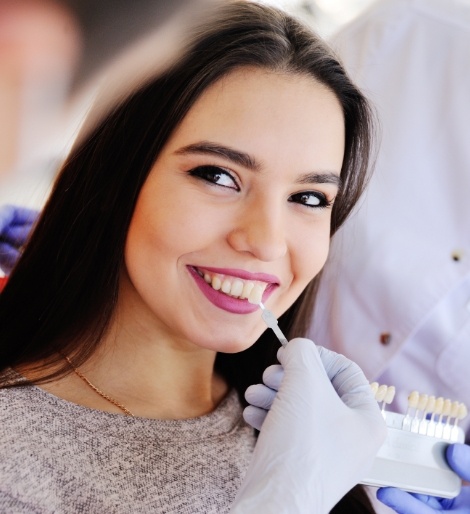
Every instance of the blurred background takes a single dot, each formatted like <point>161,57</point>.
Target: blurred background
<point>324,15</point>
<point>30,187</point>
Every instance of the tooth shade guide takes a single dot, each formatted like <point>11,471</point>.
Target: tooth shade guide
<point>390,395</point>
<point>427,425</point>
<point>271,322</point>
<point>454,410</point>
<point>462,412</point>
<point>422,402</point>
<point>411,458</point>
<point>247,288</point>
<point>447,407</point>
<point>413,399</point>
<point>374,386</point>
<point>431,405</point>
<point>426,415</point>
<point>438,408</point>
<point>381,392</point>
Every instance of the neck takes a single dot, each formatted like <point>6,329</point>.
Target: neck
<point>155,378</point>
<point>149,373</point>
<point>143,366</point>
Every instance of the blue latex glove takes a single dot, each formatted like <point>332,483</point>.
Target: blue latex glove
<point>15,225</point>
<point>319,438</point>
<point>458,458</point>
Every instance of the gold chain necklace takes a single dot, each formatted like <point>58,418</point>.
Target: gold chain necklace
<point>98,391</point>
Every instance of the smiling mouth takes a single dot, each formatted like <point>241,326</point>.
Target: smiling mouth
<point>241,289</point>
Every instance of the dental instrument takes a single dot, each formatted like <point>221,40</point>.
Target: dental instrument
<point>412,457</point>
<point>266,314</point>
<point>271,322</point>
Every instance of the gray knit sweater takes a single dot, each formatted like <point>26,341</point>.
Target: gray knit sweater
<point>59,457</point>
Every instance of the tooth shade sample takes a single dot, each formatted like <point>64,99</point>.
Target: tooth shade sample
<point>381,392</point>
<point>247,288</point>
<point>389,395</point>
<point>256,294</point>
<point>413,399</point>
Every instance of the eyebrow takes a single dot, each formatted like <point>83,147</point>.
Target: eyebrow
<point>208,148</point>
<point>327,177</point>
<point>249,162</point>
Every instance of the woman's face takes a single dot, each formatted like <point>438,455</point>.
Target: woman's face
<point>240,198</point>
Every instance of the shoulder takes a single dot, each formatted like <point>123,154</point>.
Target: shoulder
<point>18,414</point>
<point>12,401</point>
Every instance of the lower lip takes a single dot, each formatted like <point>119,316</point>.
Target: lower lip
<point>222,300</point>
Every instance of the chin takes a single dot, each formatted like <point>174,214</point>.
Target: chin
<point>237,345</point>
<point>233,348</point>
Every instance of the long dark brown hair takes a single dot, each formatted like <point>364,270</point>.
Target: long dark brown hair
<point>62,294</point>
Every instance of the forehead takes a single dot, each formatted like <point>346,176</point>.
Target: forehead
<point>266,112</point>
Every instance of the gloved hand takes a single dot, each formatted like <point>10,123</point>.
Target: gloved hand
<point>458,458</point>
<point>319,438</point>
<point>15,226</point>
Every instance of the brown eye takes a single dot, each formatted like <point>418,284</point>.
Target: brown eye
<point>215,175</point>
<point>312,199</point>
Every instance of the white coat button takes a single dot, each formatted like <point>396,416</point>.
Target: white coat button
<point>385,338</point>
<point>457,255</point>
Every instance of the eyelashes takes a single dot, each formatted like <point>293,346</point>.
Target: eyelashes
<point>223,178</point>
<point>215,175</point>
<point>311,199</point>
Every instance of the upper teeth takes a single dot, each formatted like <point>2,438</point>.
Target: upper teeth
<point>236,287</point>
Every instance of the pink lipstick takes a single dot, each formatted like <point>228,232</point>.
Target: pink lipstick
<point>229,303</point>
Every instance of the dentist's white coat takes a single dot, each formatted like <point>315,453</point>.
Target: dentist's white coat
<point>400,269</point>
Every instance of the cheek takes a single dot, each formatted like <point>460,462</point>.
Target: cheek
<point>164,228</point>
<point>311,255</point>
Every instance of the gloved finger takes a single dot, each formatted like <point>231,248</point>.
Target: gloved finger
<point>272,376</point>
<point>461,504</point>
<point>458,457</point>
<point>25,216</point>
<point>254,416</point>
<point>260,395</point>
<point>346,376</point>
<point>8,257</point>
<point>405,503</point>
<point>12,215</point>
<point>7,214</point>
<point>16,235</point>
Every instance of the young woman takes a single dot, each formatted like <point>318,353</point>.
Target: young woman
<point>127,338</point>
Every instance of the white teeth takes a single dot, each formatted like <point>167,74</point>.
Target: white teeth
<point>247,288</point>
<point>226,286</point>
<point>237,288</point>
<point>256,294</point>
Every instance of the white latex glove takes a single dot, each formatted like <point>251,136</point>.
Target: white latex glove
<point>319,438</point>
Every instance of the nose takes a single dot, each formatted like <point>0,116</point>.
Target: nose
<point>260,230</point>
